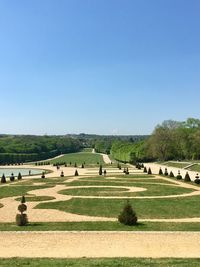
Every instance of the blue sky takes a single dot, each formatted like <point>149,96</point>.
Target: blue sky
<point>98,66</point>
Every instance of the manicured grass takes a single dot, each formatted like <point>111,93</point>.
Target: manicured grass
<point>87,149</point>
<point>101,226</point>
<point>79,158</point>
<point>195,168</point>
<point>176,164</point>
<point>182,207</point>
<point>36,198</point>
<point>152,190</point>
<point>10,191</point>
<point>99,262</point>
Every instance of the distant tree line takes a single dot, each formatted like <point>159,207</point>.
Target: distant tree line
<point>18,149</point>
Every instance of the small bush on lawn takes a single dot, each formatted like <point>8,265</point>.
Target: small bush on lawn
<point>76,173</point>
<point>171,174</point>
<point>179,177</point>
<point>100,170</point>
<point>128,215</point>
<point>145,169</point>
<point>19,177</point>
<point>166,172</point>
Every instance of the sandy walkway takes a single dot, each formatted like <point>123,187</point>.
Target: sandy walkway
<point>99,244</point>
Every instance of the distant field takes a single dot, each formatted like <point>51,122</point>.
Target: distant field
<point>176,164</point>
<point>195,168</point>
<point>79,159</point>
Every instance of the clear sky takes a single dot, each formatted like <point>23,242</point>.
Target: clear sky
<point>98,66</point>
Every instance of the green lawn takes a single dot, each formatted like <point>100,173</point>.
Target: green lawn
<point>36,198</point>
<point>79,158</point>
<point>152,190</point>
<point>101,226</point>
<point>176,164</point>
<point>195,168</point>
<point>182,207</point>
<point>99,262</point>
<point>12,190</point>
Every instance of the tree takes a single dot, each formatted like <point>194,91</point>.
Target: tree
<point>22,219</point>
<point>128,215</point>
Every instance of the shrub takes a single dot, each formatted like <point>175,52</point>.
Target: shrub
<point>171,174</point>
<point>62,174</point>
<point>145,169</point>
<point>179,177</point>
<point>43,175</point>
<point>127,171</point>
<point>75,165</point>
<point>105,172</point>
<point>187,177</point>
<point>160,172</point>
<point>76,173</point>
<point>197,181</point>
<point>21,219</point>
<point>12,177</point>
<point>82,166</point>
<point>3,179</point>
<point>166,172</point>
<point>149,171</point>
<point>128,215</point>
<point>100,170</point>
<point>19,177</point>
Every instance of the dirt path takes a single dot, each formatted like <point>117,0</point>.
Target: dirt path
<point>99,244</point>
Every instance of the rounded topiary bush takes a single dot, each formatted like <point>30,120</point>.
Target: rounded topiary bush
<point>160,172</point>
<point>62,174</point>
<point>128,215</point>
<point>197,180</point>
<point>187,177</point>
<point>179,177</point>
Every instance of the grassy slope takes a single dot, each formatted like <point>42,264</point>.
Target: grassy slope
<point>79,158</point>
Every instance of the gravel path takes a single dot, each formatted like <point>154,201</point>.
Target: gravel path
<point>99,244</point>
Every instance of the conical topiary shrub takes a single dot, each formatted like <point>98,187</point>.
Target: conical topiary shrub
<point>171,174</point>
<point>187,177</point>
<point>160,172</point>
<point>145,169</point>
<point>82,166</point>
<point>76,173</point>
<point>19,177</point>
<point>128,215</point>
<point>149,171</point>
<point>3,179</point>
<point>75,165</point>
